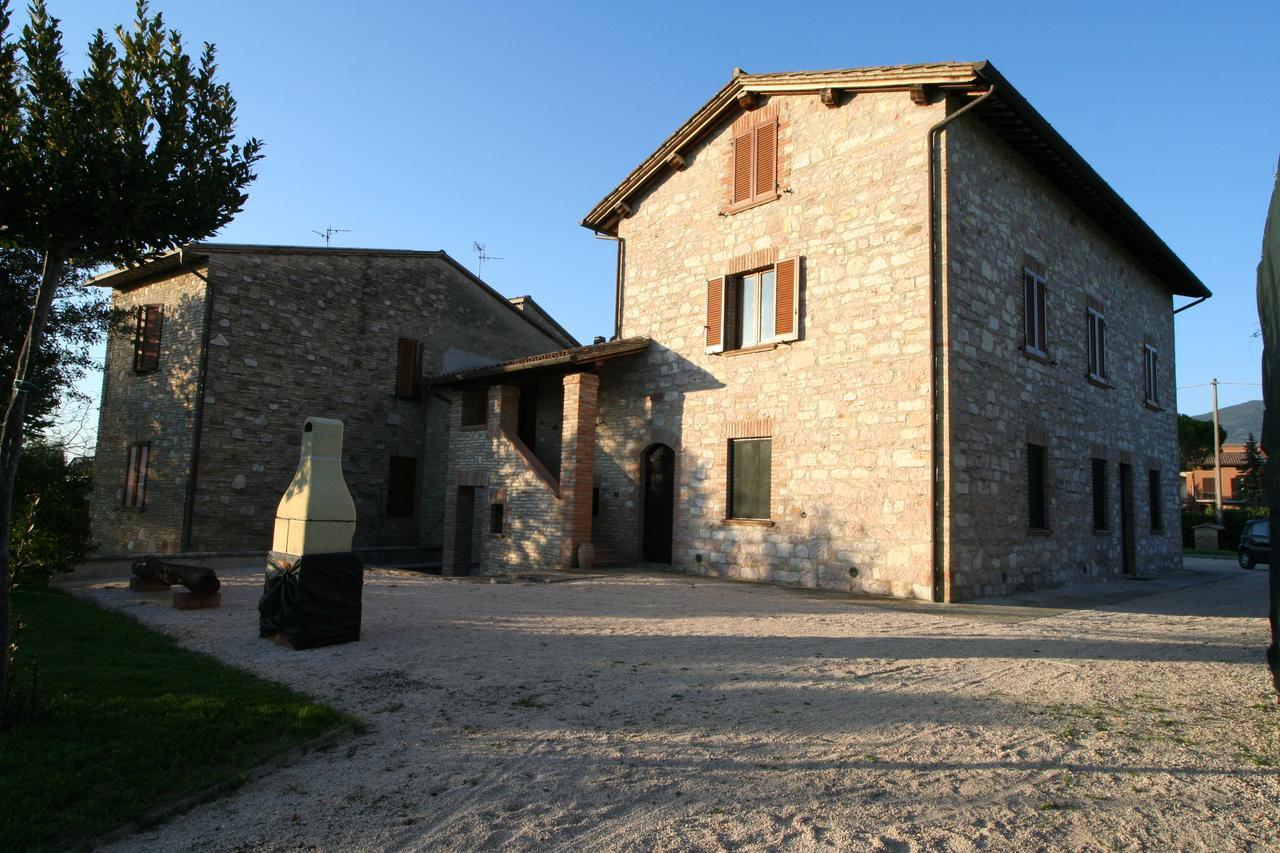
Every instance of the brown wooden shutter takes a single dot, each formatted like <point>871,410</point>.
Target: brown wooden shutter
<point>715,315</point>
<point>766,160</point>
<point>408,368</point>
<point>146,342</point>
<point>743,168</point>
<point>786,318</point>
<point>130,469</point>
<point>140,497</point>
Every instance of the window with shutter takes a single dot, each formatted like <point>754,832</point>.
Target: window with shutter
<point>146,339</point>
<point>408,368</point>
<point>1033,319</point>
<point>134,494</point>
<point>402,480</point>
<point>1151,387</point>
<point>757,307</point>
<point>1096,328</point>
<point>755,162</point>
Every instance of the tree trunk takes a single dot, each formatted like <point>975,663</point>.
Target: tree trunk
<point>11,448</point>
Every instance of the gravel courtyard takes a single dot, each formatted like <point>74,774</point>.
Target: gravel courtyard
<point>668,712</point>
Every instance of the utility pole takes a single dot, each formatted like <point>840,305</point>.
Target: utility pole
<point>1217,459</point>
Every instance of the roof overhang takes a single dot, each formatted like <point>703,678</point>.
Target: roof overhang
<point>575,360</point>
<point>1008,114</point>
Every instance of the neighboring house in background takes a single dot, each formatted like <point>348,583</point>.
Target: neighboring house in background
<point>227,349</point>
<point>1200,486</point>
<point>853,350</point>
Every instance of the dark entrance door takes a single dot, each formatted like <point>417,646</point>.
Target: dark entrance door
<point>659,503</point>
<point>1126,519</point>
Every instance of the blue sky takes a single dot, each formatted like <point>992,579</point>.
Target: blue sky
<point>433,126</point>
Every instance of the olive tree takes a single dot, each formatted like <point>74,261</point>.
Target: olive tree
<point>133,157</point>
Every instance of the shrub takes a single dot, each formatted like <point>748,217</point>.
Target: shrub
<point>50,531</point>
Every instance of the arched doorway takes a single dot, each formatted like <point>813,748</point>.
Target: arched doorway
<point>659,465</point>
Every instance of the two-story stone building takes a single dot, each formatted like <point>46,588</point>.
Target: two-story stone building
<point>878,329</point>
<point>223,352</point>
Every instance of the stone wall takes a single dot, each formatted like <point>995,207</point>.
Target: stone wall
<point>154,407</point>
<point>297,333</point>
<point>1001,215</point>
<point>847,405</point>
<point>492,460</point>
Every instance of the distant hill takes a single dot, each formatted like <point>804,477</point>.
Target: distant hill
<point>1238,420</point>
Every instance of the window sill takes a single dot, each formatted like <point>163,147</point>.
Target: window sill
<point>747,205</point>
<point>748,522</point>
<point>1039,531</point>
<point>1041,357</point>
<point>769,347</point>
<point>1154,407</point>
<point>1099,381</point>
<point>472,427</point>
<point>1101,532</point>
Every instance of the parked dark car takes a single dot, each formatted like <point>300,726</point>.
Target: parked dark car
<point>1255,543</point>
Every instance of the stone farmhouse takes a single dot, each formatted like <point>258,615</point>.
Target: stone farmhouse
<point>877,329</point>
<point>225,350</point>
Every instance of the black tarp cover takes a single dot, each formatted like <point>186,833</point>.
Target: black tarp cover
<point>312,600</point>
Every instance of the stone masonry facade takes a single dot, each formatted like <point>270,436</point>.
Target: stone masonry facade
<point>846,405</point>
<point>860,469</point>
<point>293,333</point>
<point>1002,217</point>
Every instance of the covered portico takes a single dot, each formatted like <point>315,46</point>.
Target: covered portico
<point>522,445</point>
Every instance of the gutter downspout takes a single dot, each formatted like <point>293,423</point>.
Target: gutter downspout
<point>618,277</point>
<point>1190,305</point>
<point>935,287</point>
<point>189,504</point>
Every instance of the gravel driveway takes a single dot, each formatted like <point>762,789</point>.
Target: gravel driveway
<point>661,711</point>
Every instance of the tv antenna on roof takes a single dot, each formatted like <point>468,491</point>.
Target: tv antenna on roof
<point>481,257</point>
<point>328,233</point>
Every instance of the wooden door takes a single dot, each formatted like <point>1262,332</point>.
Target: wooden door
<point>659,503</point>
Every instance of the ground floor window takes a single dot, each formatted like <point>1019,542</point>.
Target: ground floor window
<point>135,476</point>
<point>402,479</point>
<point>750,475</point>
<point>497,518</point>
<point>1153,500</point>
<point>1037,462</point>
<point>1100,494</point>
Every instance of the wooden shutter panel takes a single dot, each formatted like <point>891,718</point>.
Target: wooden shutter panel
<point>140,498</point>
<point>130,470</point>
<point>742,167</point>
<point>408,368</point>
<point>766,160</point>
<point>146,343</point>
<point>715,315</point>
<point>786,318</point>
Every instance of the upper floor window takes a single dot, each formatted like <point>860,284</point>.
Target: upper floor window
<point>757,307</point>
<point>1033,303</point>
<point>475,407</point>
<point>1096,331</point>
<point>408,368</point>
<point>755,159</point>
<point>146,337</point>
<point>1150,385</point>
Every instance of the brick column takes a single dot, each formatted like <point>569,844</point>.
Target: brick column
<point>447,551</point>
<point>577,463</point>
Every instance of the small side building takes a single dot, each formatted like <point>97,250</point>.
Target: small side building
<point>224,350</point>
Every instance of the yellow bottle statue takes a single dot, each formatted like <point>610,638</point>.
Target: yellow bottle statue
<point>316,514</point>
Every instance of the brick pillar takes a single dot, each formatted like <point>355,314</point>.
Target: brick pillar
<point>577,463</point>
<point>447,554</point>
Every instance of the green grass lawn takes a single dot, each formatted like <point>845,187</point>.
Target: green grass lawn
<point>1204,552</point>
<point>129,722</point>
